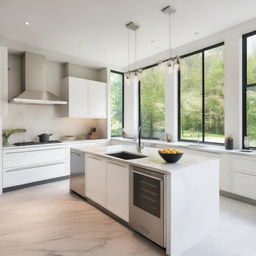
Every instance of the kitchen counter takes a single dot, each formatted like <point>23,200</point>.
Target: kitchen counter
<point>191,190</point>
<point>152,161</point>
<point>55,144</point>
<point>217,149</point>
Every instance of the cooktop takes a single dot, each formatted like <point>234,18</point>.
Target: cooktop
<point>28,143</point>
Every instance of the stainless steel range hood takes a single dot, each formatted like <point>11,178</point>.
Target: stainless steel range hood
<point>34,82</point>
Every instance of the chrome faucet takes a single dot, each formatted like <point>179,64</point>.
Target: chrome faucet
<point>139,144</point>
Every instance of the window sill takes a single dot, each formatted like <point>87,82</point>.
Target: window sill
<point>187,145</point>
<point>215,149</point>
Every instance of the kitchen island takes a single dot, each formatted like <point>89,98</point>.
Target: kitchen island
<point>190,195</point>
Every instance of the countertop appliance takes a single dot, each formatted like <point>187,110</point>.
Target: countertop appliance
<point>146,204</point>
<point>31,143</point>
<point>77,172</point>
<point>44,137</point>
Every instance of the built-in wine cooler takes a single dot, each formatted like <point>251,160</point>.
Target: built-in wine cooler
<point>147,204</point>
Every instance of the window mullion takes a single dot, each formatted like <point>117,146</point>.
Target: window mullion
<point>139,105</point>
<point>203,96</point>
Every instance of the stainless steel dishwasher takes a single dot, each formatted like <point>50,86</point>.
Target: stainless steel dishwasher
<point>146,204</point>
<point>77,172</point>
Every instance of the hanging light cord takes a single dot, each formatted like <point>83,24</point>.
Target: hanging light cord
<point>129,50</point>
<point>170,43</point>
<point>171,61</point>
<point>135,47</point>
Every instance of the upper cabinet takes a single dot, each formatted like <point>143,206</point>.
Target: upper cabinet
<point>86,98</point>
<point>3,82</point>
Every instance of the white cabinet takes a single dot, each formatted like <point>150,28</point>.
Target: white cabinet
<point>86,98</point>
<point>243,176</point>
<point>32,156</point>
<point>243,164</point>
<point>243,184</point>
<point>107,183</point>
<point>225,172</point>
<point>118,189</point>
<point>78,98</point>
<point>3,82</point>
<point>29,174</point>
<point>32,164</point>
<point>97,99</point>
<point>96,178</point>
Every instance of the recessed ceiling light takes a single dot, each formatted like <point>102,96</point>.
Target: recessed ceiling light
<point>26,23</point>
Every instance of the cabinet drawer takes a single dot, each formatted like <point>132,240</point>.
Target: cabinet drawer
<point>27,175</point>
<point>243,184</point>
<point>243,164</point>
<point>30,156</point>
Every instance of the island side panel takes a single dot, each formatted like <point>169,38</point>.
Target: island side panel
<point>193,210</point>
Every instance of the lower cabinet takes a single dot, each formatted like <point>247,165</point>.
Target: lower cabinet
<point>96,179</point>
<point>225,172</point>
<point>33,164</point>
<point>118,189</point>
<point>24,175</point>
<point>107,183</point>
<point>243,184</point>
<point>243,176</point>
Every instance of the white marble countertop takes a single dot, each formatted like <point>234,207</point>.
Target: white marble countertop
<point>153,160</point>
<point>54,144</point>
<point>190,145</point>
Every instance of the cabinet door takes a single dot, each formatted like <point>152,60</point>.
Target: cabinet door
<point>243,184</point>
<point>97,99</point>
<point>96,179</point>
<point>225,172</point>
<point>118,189</point>
<point>78,98</point>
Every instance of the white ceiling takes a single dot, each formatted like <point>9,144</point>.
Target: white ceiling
<point>94,29</point>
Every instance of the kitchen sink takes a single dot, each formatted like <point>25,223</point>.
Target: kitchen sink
<point>126,155</point>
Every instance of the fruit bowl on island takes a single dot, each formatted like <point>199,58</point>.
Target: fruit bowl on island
<point>170,155</point>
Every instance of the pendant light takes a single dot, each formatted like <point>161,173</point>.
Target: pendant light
<point>171,62</point>
<point>137,72</point>
<point>167,65</point>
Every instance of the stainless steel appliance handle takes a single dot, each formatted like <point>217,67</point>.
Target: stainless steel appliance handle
<point>75,153</point>
<point>143,174</point>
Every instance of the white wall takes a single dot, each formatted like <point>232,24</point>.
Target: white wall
<point>233,81</point>
<point>37,119</point>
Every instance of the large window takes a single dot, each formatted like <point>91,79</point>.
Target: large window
<point>151,104</point>
<point>249,87</point>
<point>117,103</point>
<point>201,96</point>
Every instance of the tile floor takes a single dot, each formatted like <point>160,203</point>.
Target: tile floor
<point>46,220</point>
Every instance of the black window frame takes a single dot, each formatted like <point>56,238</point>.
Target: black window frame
<point>139,103</point>
<point>245,85</point>
<point>202,51</point>
<point>122,74</point>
